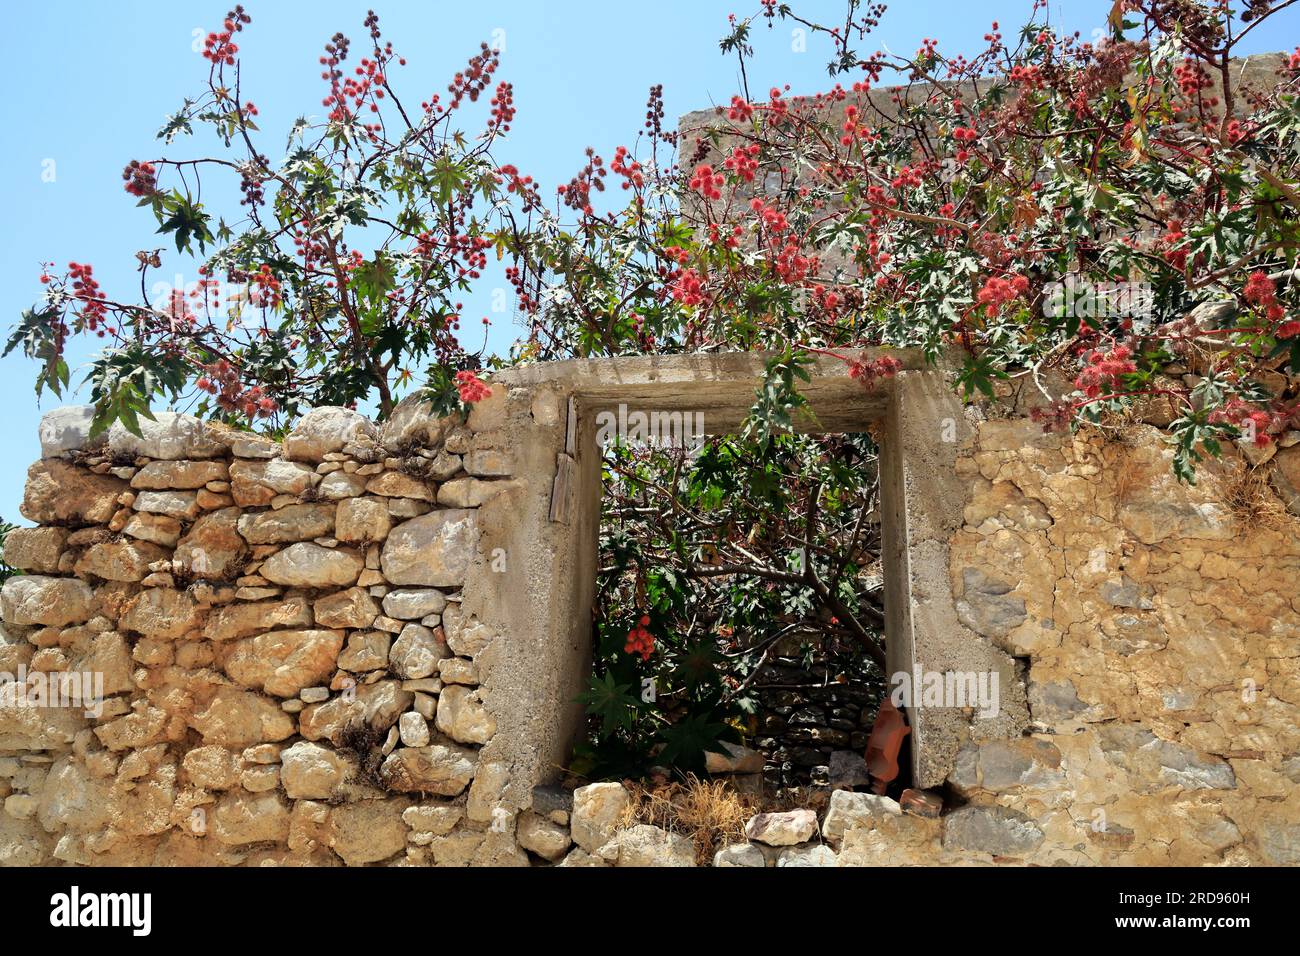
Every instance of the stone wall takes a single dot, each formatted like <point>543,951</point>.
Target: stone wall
<point>296,641</point>
<point>363,645</point>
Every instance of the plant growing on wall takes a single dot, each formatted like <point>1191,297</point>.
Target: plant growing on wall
<point>1123,213</point>
<point>337,278</point>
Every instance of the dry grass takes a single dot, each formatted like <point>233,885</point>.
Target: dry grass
<point>1246,493</point>
<point>709,812</point>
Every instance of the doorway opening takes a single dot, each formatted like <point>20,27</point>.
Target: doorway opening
<point>739,607</point>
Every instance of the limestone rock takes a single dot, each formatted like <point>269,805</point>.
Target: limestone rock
<point>849,809</point>
<point>645,845</point>
<point>353,608</point>
<point>367,831</point>
<point>122,560</point>
<point>740,854</point>
<point>24,727</point>
<point>462,716</point>
<point>433,550</point>
<point>66,429</point>
<point>240,818</point>
<point>291,523</point>
<point>240,718</point>
<point>60,493</point>
<point>160,529</point>
<point>256,483</point>
<point>211,767</point>
<point>416,652</point>
<point>240,620</point>
<point>597,810</point>
<point>284,662</point>
<point>161,613</point>
<point>394,484</point>
<point>168,436</point>
<point>443,769</point>
<point>806,856</point>
<point>310,565</point>
<point>539,835</point>
<point>35,550</point>
<point>366,651</point>
<point>164,475</point>
<point>997,830</point>
<point>213,549</point>
<point>363,519</point>
<point>736,759</point>
<point>412,604</point>
<point>782,829</point>
<point>377,706</point>
<point>174,504</point>
<point>309,771</point>
<point>54,602</point>
<point>326,429</point>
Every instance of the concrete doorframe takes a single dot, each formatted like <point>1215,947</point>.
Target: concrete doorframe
<point>924,425</point>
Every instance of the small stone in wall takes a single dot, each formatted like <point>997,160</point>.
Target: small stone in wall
<point>353,608</point>
<point>416,652</point>
<point>60,493</point>
<point>807,856</point>
<point>433,550</point>
<point>413,730</point>
<point>165,475</point>
<point>326,429</point>
<point>462,716</point>
<point>282,663</point>
<point>213,548</point>
<point>363,519</point>
<point>783,829</point>
<point>242,620</point>
<point>646,845</point>
<point>542,836</point>
<point>996,830</point>
<point>849,809</point>
<point>35,550</point>
<point>309,565</point>
<point>735,759</point>
<point>740,854</point>
<point>411,604</point>
<point>175,504</point>
<point>312,772</point>
<point>291,523</point>
<point>598,808</point>
<point>443,769</point>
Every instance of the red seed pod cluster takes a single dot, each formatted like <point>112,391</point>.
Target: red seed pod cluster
<point>640,640</point>
<point>87,292</point>
<point>472,388</point>
<point>998,292</point>
<point>141,178</point>
<point>222,380</point>
<point>1104,370</point>
<point>220,47</point>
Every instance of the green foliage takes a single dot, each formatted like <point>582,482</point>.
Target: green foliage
<point>6,572</point>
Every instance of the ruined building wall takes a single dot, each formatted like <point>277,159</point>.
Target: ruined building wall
<point>363,645</point>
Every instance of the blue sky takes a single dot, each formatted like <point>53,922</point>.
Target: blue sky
<point>92,82</point>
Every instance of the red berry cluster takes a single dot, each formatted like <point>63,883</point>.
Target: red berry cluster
<point>743,161</point>
<point>639,640</point>
<point>706,182</point>
<point>503,108</point>
<point>141,178</point>
<point>266,288</point>
<point>218,47</point>
<point>998,292</point>
<point>472,388</point>
<point>86,290</point>
<point>870,371</point>
<point>1104,370</point>
<point>577,192</point>
<point>221,379</point>
<point>624,165</point>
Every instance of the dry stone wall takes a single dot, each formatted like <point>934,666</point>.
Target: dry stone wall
<point>289,667</point>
